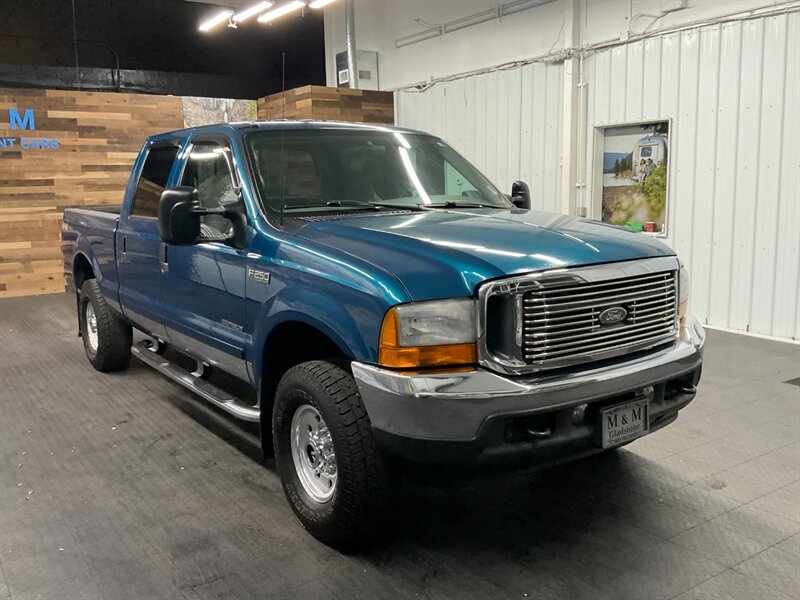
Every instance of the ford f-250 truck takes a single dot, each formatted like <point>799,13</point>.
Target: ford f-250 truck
<point>386,303</point>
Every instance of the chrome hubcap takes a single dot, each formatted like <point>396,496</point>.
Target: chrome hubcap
<point>91,326</point>
<point>313,454</point>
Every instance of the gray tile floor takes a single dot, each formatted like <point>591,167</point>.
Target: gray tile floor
<point>126,486</point>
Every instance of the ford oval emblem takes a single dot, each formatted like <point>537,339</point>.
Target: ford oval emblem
<point>612,315</point>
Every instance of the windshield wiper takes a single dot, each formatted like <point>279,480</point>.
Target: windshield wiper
<point>348,203</point>
<point>335,203</point>
<point>373,205</point>
<point>454,204</point>
<point>396,206</point>
<point>376,206</point>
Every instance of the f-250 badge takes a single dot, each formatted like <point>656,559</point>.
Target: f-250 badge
<point>258,276</point>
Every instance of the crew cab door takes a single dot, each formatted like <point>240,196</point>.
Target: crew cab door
<point>138,241</point>
<point>203,285</point>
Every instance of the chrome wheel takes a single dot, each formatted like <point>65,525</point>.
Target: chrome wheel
<point>91,326</point>
<point>313,454</point>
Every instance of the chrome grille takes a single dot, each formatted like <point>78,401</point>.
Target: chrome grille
<point>561,322</point>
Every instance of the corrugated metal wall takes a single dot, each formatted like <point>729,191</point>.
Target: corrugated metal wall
<point>732,92</point>
<point>507,123</point>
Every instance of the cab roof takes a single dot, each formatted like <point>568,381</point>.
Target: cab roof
<point>249,126</point>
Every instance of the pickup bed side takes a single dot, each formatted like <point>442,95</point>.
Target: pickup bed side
<point>88,242</point>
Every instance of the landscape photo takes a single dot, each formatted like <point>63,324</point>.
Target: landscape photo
<point>635,175</point>
<point>207,111</point>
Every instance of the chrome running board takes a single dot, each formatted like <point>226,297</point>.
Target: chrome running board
<point>194,383</point>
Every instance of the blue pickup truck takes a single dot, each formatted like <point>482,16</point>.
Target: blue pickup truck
<point>387,305</point>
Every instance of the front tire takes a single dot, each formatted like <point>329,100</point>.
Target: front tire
<point>330,470</point>
<point>106,337</point>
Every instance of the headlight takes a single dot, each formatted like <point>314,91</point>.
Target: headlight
<point>683,296</point>
<point>429,334</point>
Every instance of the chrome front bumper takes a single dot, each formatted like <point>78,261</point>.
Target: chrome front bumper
<point>454,407</point>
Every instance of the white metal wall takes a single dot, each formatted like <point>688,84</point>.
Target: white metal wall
<point>507,123</point>
<point>733,94</point>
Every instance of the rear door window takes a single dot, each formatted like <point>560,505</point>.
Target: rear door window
<point>153,180</point>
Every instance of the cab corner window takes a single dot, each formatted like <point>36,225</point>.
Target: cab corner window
<point>153,180</point>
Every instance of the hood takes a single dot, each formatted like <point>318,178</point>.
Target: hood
<point>446,253</point>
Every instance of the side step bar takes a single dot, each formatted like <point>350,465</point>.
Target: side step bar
<point>193,382</point>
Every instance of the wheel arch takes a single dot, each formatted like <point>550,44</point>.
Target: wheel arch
<point>82,269</point>
<point>289,343</point>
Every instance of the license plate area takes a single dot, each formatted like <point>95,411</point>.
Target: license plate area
<point>621,423</point>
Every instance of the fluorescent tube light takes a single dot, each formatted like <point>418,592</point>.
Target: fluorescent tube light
<point>220,17</point>
<point>319,3</point>
<point>253,10</point>
<point>280,11</point>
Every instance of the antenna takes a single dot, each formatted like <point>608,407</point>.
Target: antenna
<point>283,129</point>
<point>283,85</point>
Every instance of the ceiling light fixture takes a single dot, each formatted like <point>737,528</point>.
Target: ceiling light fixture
<point>253,10</point>
<point>280,11</point>
<point>319,3</point>
<point>220,17</point>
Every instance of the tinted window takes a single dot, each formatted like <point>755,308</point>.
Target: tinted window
<point>153,180</point>
<point>300,178</point>
<point>209,170</point>
<point>331,169</point>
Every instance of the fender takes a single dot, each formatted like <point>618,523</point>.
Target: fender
<point>108,287</point>
<point>87,254</point>
<point>92,236</point>
<point>322,311</point>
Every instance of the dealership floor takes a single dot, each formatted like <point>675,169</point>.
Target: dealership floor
<point>127,486</point>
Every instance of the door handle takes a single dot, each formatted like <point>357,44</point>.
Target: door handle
<point>162,256</point>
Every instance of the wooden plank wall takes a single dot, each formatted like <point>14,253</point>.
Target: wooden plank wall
<point>329,104</point>
<point>99,135</point>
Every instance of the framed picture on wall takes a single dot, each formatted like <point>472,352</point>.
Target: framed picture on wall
<point>632,175</point>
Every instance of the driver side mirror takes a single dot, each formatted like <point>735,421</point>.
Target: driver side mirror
<point>521,194</point>
<point>178,221</point>
<point>179,213</point>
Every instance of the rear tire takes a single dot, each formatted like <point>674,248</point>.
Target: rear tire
<point>106,337</point>
<point>330,470</point>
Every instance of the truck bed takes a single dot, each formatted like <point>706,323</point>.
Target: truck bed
<point>113,209</point>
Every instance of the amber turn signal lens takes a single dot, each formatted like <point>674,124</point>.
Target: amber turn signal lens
<point>390,354</point>
<point>427,356</point>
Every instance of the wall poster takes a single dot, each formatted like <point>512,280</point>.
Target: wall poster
<point>208,111</point>
<point>635,175</point>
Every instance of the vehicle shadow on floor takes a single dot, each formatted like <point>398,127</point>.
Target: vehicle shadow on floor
<point>516,513</point>
<point>241,435</point>
<point>612,495</point>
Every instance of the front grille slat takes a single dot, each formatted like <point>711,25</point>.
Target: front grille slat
<point>571,285</point>
<point>595,347</point>
<point>567,320</point>
<point>657,302</point>
<point>652,313</point>
<point>557,296</point>
<point>599,299</point>
<point>609,335</point>
<point>561,323</point>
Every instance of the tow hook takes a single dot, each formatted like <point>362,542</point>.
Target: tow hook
<point>539,434</point>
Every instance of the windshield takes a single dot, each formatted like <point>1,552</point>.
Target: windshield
<point>334,169</point>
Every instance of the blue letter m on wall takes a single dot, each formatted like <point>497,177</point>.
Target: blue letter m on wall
<point>21,122</point>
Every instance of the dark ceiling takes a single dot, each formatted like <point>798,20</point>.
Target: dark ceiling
<point>162,35</point>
